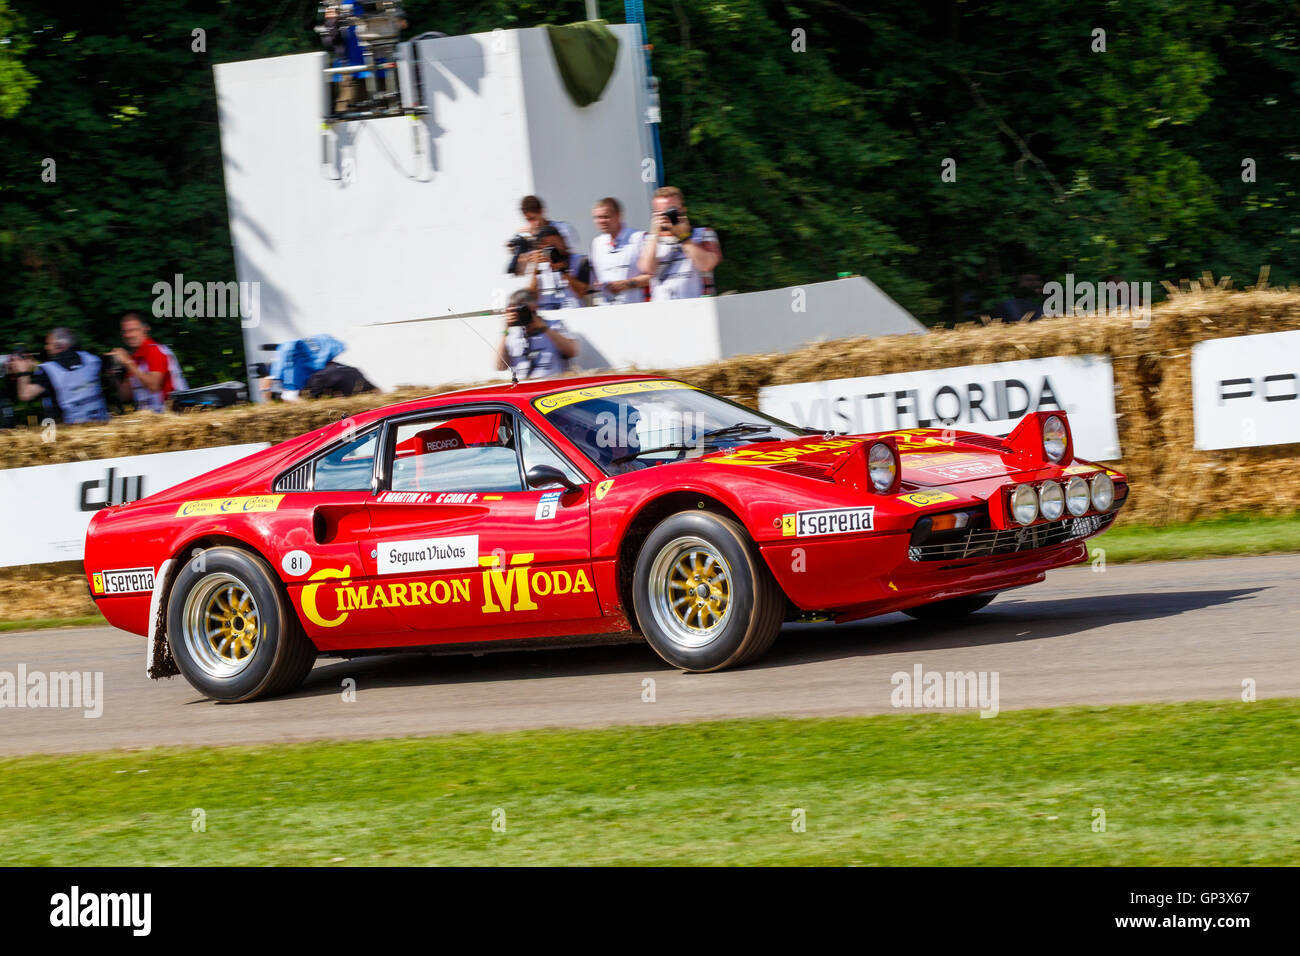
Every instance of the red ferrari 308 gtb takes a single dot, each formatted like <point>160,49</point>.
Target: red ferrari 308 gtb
<point>561,509</point>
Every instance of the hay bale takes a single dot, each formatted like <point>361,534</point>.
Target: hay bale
<point>1152,366</point>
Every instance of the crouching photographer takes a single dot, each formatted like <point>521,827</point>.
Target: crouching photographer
<point>531,345</point>
<point>560,278</point>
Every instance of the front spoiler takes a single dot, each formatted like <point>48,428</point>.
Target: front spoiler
<point>882,579</point>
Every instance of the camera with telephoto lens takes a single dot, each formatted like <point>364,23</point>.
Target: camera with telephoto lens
<point>113,370</point>
<point>18,352</point>
<point>520,243</point>
<point>521,316</point>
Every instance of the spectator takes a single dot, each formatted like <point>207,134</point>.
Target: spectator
<point>67,383</point>
<point>614,256</point>
<point>559,277</point>
<point>679,258</point>
<point>534,212</point>
<point>152,372</point>
<point>1027,304</point>
<point>534,346</point>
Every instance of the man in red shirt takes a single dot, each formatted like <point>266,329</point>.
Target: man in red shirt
<point>152,372</point>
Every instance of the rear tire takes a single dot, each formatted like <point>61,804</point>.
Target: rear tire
<point>953,607</point>
<point>231,629</point>
<point>703,597</point>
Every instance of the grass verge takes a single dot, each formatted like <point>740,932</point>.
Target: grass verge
<point>1196,783</point>
<point>41,623</point>
<point>1212,537</point>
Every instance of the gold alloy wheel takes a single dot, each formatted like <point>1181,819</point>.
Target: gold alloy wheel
<point>691,591</point>
<point>222,627</point>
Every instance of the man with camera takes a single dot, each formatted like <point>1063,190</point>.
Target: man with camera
<point>614,255</point>
<point>525,241</point>
<point>151,371</point>
<point>680,258</point>
<point>67,383</point>
<point>535,347</point>
<point>559,277</point>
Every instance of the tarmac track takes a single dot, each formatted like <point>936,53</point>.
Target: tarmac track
<point>1179,630</point>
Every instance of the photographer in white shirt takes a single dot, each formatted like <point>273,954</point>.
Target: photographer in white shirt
<point>615,254</point>
<point>679,258</point>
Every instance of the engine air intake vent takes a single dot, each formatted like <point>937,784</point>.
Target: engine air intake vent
<point>296,480</point>
<point>804,471</point>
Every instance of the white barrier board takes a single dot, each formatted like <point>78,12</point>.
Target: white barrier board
<point>1246,390</point>
<point>989,399</point>
<point>44,509</point>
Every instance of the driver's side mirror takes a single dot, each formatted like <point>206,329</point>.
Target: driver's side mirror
<point>539,476</point>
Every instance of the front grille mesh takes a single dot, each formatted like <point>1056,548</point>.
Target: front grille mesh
<point>987,542</point>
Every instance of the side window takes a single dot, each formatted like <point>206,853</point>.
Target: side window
<point>462,453</point>
<point>349,467</point>
<point>537,452</point>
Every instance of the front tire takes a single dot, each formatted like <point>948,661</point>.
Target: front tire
<point>703,597</point>
<point>231,629</point>
<point>953,607</point>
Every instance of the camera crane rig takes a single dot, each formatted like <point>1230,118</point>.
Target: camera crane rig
<point>371,74</point>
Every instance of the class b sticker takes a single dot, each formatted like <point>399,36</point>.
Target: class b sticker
<point>827,521</point>
<point>126,581</point>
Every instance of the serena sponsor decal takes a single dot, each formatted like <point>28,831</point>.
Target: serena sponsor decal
<point>510,585</point>
<point>247,504</point>
<point>827,521</point>
<point>124,581</point>
<point>428,554</point>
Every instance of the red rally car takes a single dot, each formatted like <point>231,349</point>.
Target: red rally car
<point>592,506</point>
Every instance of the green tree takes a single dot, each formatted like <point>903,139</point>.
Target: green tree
<point>112,173</point>
<point>811,135</point>
<point>16,81</point>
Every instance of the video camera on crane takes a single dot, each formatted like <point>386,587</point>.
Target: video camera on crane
<point>371,73</point>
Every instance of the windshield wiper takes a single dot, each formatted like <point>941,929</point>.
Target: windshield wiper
<point>706,438</point>
<point>740,428</point>
<point>650,451</point>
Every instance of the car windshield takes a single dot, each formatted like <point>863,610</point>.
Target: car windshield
<point>626,426</point>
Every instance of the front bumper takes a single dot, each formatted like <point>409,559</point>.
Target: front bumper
<point>989,542</point>
<point>875,574</point>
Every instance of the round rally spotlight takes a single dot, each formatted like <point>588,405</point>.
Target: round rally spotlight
<point>1103,491</point>
<point>1077,496</point>
<point>1054,440</point>
<point>1024,504</point>
<point>883,467</point>
<point>1051,500</point>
